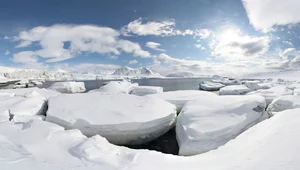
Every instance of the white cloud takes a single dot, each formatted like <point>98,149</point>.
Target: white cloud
<point>264,14</point>
<point>138,27</point>
<point>25,57</point>
<point>133,62</point>
<point>80,38</point>
<point>7,52</point>
<point>161,28</point>
<point>232,45</point>
<point>154,46</point>
<point>87,68</point>
<point>199,46</point>
<point>289,52</point>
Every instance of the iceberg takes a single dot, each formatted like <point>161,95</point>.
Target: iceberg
<point>117,87</point>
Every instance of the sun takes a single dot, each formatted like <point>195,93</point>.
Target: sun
<point>229,35</point>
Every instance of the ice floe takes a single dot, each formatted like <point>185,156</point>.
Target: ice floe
<point>145,90</point>
<point>283,103</point>
<point>210,122</point>
<point>234,90</point>
<point>68,87</point>
<point>121,118</point>
<point>210,86</point>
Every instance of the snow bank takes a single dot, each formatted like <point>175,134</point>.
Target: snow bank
<point>145,90</point>
<point>297,92</point>
<point>117,87</point>
<point>41,145</point>
<point>272,93</point>
<point>180,97</point>
<point>121,118</point>
<point>234,90</point>
<point>210,86</point>
<point>283,103</point>
<point>68,87</point>
<point>210,122</point>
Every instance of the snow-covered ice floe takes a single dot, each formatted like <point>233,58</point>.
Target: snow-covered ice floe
<point>121,118</point>
<point>226,82</point>
<point>42,145</point>
<point>117,87</point>
<point>234,90</point>
<point>283,103</point>
<point>145,90</point>
<point>272,93</point>
<point>29,106</point>
<point>180,97</point>
<point>30,92</point>
<point>68,87</point>
<point>26,118</point>
<point>210,122</point>
<point>210,86</point>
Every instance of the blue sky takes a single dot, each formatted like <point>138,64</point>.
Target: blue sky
<point>200,36</point>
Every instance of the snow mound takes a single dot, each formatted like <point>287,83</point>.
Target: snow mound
<point>121,118</point>
<point>210,86</point>
<point>180,97</point>
<point>117,87</point>
<point>145,90</point>
<point>210,122</point>
<point>253,85</point>
<point>27,92</point>
<point>272,93</point>
<point>283,103</point>
<point>68,87</point>
<point>234,90</point>
<point>297,92</point>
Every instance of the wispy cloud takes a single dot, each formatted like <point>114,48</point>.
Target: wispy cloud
<point>154,46</point>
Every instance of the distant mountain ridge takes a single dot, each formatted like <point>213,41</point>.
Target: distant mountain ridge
<point>143,71</point>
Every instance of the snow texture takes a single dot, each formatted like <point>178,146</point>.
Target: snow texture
<point>234,90</point>
<point>283,103</point>
<point>145,90</point>
<point>68,87</point>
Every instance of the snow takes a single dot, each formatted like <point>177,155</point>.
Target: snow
<point>297,92</point>
<point>29,106</point>
<point>253,85</point>
<point>137,73</point>
<point>145,90</point>
<point>210,122</point>
<point>121,118</point>
<point>68,87</point>
<point>6,102</point>
<point>216,77</point>
<point>265,85</point>
<point>26,118</point>
<point>4,80</point>
<point>283,103</point>
<point>180,97</point>
<point>272,93</point>
<point>270,145</point>
<point>226,82</point>
<point>27,92</point>
<point>210,86</point>
<point>234,90</point>
<point>117,87</point>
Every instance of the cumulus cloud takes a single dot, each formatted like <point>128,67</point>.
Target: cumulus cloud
<point>61,42</point>
<point>264,14</point>
<point>131,62</point>
<point>289,52</point>
<point>25,57</point>
<point>154,46</point>
<point>7,52</point>
<point>288,43</point>
<point>232,45</point>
